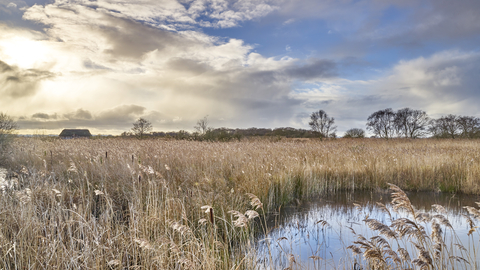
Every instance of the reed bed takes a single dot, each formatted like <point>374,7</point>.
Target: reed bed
<point>389,235</point>
<point>416,240</point>
<point>156,204</point>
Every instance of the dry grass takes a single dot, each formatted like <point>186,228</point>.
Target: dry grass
<point>430,237</point>
<point>116,204</point>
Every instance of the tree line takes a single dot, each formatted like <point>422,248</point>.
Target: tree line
<point>204,132</point>
<point>386,123</point>
<point>406,123</point>
<point>228,134</point>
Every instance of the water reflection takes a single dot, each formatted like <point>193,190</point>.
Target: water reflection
<point>315,235</point>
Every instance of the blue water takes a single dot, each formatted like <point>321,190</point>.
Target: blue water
<point>316,234</point>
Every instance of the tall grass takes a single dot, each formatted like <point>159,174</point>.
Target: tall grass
<point>431,239</point>
<point>116,203</point>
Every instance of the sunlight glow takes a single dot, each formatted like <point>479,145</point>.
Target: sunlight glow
<point>24,52</point>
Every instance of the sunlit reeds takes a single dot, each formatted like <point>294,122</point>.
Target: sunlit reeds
<point>431,239</point>
<point>119,203</point>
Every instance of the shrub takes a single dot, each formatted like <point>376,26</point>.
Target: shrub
<point>7,129</point>
<point>354,133</point>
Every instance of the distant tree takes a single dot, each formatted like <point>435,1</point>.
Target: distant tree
<point>434,129</point>
<point>354,133</point>
<point>322,123</point>
<point>411,123</point>
<point>7,128</point>
<point>125,134</point>
<point>202,125</point>
<point>182,135</point>
<point>468,126</point>
<point>141,127</point>
<point>382,123</point>
<point>445,127</point>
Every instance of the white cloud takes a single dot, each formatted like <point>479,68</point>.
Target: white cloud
<point>412,23</point>
<point>103,60</point>
<point>107,62</point>
<point>446,82</point>
<point>442,83</point>
<point>178,15</point>
<point>11,6</point>
<point>289,21</point>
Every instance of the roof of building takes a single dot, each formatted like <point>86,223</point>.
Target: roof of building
<point>75,133</point>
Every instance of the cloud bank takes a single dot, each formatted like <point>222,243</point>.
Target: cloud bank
<point>102,64</point>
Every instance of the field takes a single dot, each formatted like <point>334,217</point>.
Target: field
<point>157,204</point>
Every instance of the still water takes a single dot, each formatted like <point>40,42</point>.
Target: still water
<point>315,235</point>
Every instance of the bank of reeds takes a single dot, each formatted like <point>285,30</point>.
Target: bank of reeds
<point>116,204</point>
<point>415,240</point>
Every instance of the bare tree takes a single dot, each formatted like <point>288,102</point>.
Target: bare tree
<point>411,123</point>
<point>469,126</point>
<point>354,133</point>
<point>445,127</point>
<point>202,125</point>
<point>382,123</point>
<point>7,128</point>
<point>434,129</point>
<point>141,127</point>
<point>322,123</point>
<point>125,134</point>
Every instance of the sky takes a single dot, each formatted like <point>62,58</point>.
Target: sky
<point>102,64</point>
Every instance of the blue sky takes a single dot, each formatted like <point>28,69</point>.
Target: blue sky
<point>244,63</point>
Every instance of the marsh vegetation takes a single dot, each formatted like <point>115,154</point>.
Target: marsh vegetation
<point>326,232</point>
<point>166,204</point>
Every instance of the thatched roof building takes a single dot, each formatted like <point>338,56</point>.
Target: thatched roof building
<point>75,133</point>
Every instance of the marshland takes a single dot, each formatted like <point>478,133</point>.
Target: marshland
<point>171,204</point>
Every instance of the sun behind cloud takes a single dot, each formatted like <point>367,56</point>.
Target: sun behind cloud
<point>244,63</point>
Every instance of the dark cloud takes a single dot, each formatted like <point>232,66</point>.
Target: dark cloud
<point>132,39</point>
<point>261,79</point>
<point>41,116</point>
<point>120,115</point>
<point>35,123</point>
<point>446,19</point>
<point>272,84</point>
<point>424,22</point>
<point>79,114</point>
<point>188,65</point>
<point>119,36</point>
<point>92,65</point>
<point>18,83</point>
<point>242,95</point>
<point>13,79</point>
<point>4,67</point>
<point>314,69</point>
<point>368,24</point>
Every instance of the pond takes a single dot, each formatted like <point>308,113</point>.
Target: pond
<point>315,235</point>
